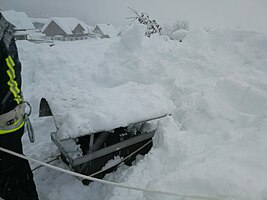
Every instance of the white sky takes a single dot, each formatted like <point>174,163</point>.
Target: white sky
<point>247,14</point>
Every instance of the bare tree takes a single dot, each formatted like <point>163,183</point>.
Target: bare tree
<point>143,18</point>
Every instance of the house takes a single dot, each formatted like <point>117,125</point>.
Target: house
<point>20,22</point>
<point>63,28</point>
<point>39,23</point>
<point>91,34</point>
<point>105,31</point>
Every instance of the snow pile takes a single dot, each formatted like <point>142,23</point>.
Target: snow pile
<point>80,107</point>
<point>214,144</point>
<point>88,111</point>
<point>128,60</point>
<point>179,35</point>
<point>242,96</point>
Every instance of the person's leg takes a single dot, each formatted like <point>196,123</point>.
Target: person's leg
<point>16,179</point>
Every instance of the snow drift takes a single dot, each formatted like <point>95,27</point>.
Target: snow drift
<point>83,111</point>
<point>214,144</point>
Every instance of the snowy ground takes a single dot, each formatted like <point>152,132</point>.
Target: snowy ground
<point>214,144</point>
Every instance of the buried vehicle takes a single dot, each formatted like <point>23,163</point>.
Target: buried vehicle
<point>94,137</point>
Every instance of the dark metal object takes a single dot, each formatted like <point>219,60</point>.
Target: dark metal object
<point>90,153</point>
<point>74,161</point>
<point>44,109</point>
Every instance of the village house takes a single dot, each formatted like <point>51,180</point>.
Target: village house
<point>91,34</point>
<point>21,24</point>
<point>62,28</point>
<point>105,31</point>
<point>39,23</point>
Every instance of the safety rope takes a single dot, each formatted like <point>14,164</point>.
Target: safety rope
<point>200,197</point>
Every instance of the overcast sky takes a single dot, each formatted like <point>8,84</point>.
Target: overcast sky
<point>247,14</point>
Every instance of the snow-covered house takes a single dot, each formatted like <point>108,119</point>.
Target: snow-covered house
<point>105,30</point>
<point>63,28</point>
<point>91,33</point>
<point>39,23</point>
<point>20,22</point>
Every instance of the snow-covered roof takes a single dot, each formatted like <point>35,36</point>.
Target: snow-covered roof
<point>91,111</point>
<point>19,19</point>
<point>108,29</point>
<point>67,24</point>
<point>39,20</point>
<point>90,28</point>
<point>85,26</point>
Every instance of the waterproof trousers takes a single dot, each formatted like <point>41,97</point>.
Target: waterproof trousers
<point>16,178</point>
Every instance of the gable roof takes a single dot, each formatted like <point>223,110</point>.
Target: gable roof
<point>19,19</point>
<point>67,24</point>
<point>108,29</point>
<point>90,28</point>
<point>39,20</point>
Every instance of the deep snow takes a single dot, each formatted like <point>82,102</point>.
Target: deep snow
<point>214,144</point>
<point>96,110</point>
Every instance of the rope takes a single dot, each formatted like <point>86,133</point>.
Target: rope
<point>111,183</point>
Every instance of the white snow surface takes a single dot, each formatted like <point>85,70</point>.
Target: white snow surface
<point>19,19</point>
<point>214,143</point>
<point>81,111</point>
<point>179,34</point>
